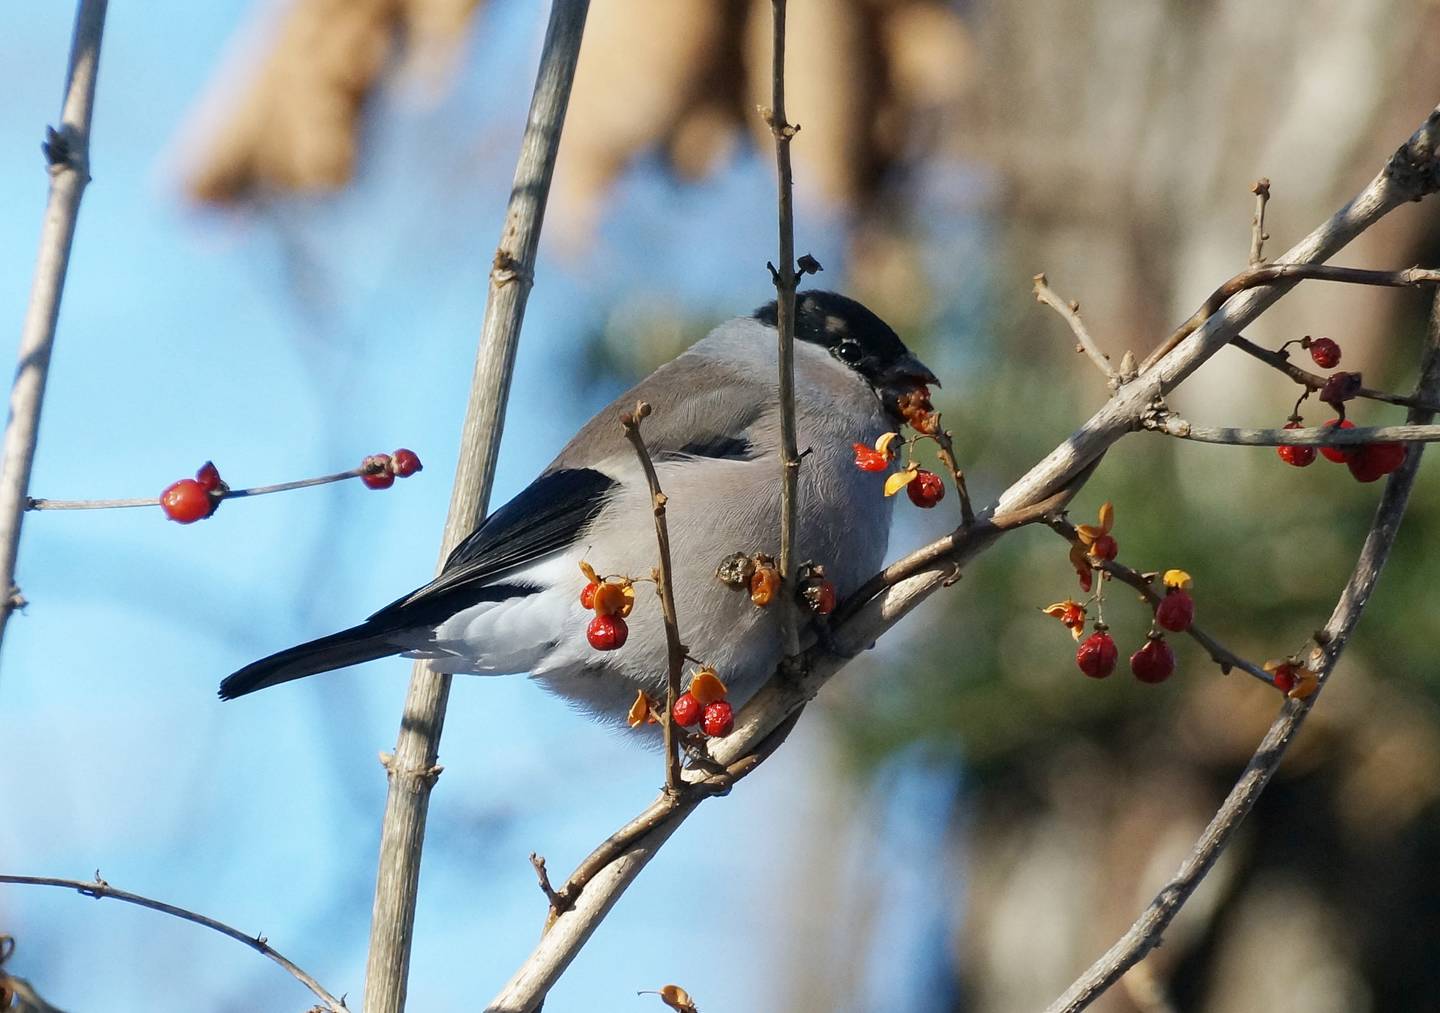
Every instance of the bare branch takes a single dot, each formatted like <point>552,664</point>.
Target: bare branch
<point>67,152</point>
<point>413,765</point>
<point>1145,934</point>
<point>1312,436</point>
<point>98,889</point>
<point>1287,274</point>
<point>664,585</point>
<point>1314,381</point>
<point>1070,313</point>
<point>1261,190</point>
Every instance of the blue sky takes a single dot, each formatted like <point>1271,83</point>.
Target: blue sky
<point>181,339</point>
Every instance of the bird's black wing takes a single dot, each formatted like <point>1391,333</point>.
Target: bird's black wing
<point>547,516</point>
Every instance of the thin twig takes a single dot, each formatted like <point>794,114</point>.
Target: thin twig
<point>1145,934</point>
<point>413,765</point>
<point>67,153</point>
<point>786,282</point>
<point>259,490</point>
<point>1312,436</point>
<point>1261,190</point>
<point>1070,313</point>
<point>1287,274</point>
<point>1314,381</point>
<point>1219,653</point>
<point>98,889</point>
<point>557,903</point>
<point>664,586</point>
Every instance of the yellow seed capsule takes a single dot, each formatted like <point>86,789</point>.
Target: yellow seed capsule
<point>614,598</point>
<point>706,687</point>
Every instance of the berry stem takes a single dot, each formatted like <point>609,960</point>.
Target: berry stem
<point>115,504</point>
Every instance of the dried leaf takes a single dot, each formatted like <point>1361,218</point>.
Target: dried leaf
<point>614,598</point>
<point>1178,578</point>
<point>641,711</point>
<point>900,480</point>
<point>1107,516</point>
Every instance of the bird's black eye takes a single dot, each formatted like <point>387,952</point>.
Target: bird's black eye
<point>849,352</point>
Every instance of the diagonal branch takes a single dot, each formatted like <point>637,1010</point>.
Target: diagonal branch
<point>1411,173</point>
<point>413,768</point>
<point>1145,934</point>
<point>98,889</point>
<point>67,152</point>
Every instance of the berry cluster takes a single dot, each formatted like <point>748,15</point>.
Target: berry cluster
<point>193,499</point>
<point>379,471</point>
<point>1368,462</point>
<point>758,574</point>
<point>704,703</point>
<point>611,599</point>
<point>925,488</point>
<point>1097,654</point>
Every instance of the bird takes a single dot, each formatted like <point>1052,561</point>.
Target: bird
<point>507,600</point>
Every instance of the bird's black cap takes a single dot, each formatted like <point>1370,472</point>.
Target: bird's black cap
<point>853,335</point>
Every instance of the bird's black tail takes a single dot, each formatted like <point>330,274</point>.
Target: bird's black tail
<point>365,642</point>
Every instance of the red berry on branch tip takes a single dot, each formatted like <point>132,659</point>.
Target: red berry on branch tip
<point>1176,610</point>
<point>719,719</point>
<point>187,501</point>
<point>375,472</point>
<point>1338,454</point>
<point>606,633</point>
<point>1325,352</point>
<point>1296,456</point>
<point>686,710</point>
<point>405,463</point>
<point>925,489</point>
<point>1376,460</point>
<point>1097,655</point>
<point>1154,662</point>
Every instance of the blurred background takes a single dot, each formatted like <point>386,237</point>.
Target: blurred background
<point>281,265</point>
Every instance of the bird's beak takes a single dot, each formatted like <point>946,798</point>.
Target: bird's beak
<point>908,372</point>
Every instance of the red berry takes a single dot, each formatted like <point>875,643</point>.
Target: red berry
<point>1073,618</point>
<point>1338,454</point>
<point>718,720</point>
<point>587,595</point>
<point>819,596</point>
<point>925,489</point>
<point>1376,460</point>
<point>375,472</point>
<point>867,458</point>
<point>187,501</point>
<point>405,463</point>
<point>606,633</point>
<point>1176,610</point>
<point>687,710</point>
<point>1154,662</point>
<point>1284,677</point>
<point>1340,387</point>
<point>1299,457</point>
<point>1325,352</point>
<point>208,476</point>
<point>1096,655</point>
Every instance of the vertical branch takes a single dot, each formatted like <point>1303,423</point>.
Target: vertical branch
<point>675,650</point>
<point>67,153</point>
<point>785,285</point>
<point>412,768</point>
